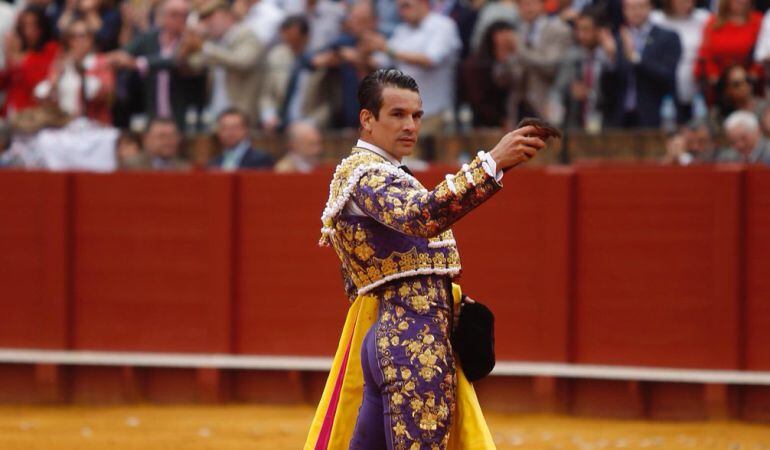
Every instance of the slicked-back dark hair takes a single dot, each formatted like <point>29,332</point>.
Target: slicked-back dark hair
<point>371,87</point>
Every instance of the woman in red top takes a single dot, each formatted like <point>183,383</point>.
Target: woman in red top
<point>728,38</point>
<point>29,53</point>
<point>80,81</point>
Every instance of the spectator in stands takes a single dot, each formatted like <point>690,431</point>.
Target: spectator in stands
<point>687,21</point>
<point>304,148</point>
<point>349,56</point>
<point>237,150</point>
<point>427,47</point>
<point>51,9</point>
<point>103,21</point>
<point>169,89</point>
<point>231,51</point>
<point>325,18</point>
<point>585,83</point>
<point>745,138</point>
<point>694,144</point>
<point>480,89</point>
<point>386,12</point>
<point>81,81</point>
<point>464,15</point>
<point>535,56</point>
<point>492,12</point>
<point>29,53</point>
<point>264,18</point>
<point>294,90</point>
<point>161,145</point>
<point>128,152</point>
<point>646,57</point>
<point>281,60</point>
<point>728,38</point>
<point>135,19</point>
<point>736,92</point>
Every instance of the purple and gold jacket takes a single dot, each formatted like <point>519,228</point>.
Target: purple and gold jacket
<point>405,231</point>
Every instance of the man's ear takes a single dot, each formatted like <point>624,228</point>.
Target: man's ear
<point>365,117</point>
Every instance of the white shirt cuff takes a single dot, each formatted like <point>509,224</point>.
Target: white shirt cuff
<point>490,166</point>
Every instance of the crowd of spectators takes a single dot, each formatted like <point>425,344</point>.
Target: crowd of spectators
<point>142,74</point>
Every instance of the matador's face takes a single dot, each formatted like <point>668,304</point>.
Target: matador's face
<point>398,125</point>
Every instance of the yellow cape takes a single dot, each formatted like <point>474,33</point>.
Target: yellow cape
<point>335,418</point>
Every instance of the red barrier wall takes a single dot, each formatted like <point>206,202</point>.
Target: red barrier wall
<point>34,260</point>
<point>152,267</point>
<point>757,285</point>
<point>657,267</point>
<point>515,254</point>
<point>290,297</point>
<point>632,266</point>
<point>757,269</point>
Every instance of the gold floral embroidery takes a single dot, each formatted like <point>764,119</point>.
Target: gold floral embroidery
<point>418,372</point>
<point>364,251</point>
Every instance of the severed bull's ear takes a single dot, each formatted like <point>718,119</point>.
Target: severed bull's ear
<point>544,129</point>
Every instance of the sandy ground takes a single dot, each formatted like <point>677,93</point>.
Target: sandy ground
<point>283,428</point>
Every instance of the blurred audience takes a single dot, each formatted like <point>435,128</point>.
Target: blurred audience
<point>728,38</point>
<point>427,47</point>
<point>746,143</point>
<point>80,81</point>
<point>480,88</point>
<point>492,12</point>
<point>534,55</point>
<point>586,81</point>
<point>736,93</point>
<point>231,51</point>
<point>294,66</point>
<point>646,58</point>
<point>102,21</point>
<point>304,146</point>
<point>162,146</point>
<point>263,17</point>
<point>688,22</point>
<point>350,57</point>
<point>170,87</point>
<point>237,151</point>
<point>303,92</point>
<point>128,152</point>
<point>29,53</point>
<point>325,19</point>
<point>694,144</point>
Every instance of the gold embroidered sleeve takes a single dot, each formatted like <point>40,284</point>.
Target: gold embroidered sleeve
<point>395,200</point>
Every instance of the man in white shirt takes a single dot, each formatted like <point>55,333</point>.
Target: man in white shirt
<point>426,46</point>
<point>264,18</point>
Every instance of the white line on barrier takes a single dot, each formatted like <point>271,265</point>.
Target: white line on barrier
<point>311,363</point>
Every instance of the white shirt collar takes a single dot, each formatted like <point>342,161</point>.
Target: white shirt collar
<point>373,148</point>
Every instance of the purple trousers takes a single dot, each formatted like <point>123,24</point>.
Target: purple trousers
<point>372,417</point>
<point>408,369</point>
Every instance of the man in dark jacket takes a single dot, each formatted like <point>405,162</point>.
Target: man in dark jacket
<point>645,57</point>
<point>237,151</point>
<point>169,87</point>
